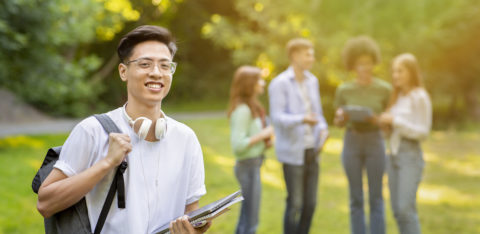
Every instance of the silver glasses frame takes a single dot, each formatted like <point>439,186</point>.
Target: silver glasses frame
<point>173,65</point>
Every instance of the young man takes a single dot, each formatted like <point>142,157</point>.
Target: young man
<point>165,174</point>
<point>300,130</point>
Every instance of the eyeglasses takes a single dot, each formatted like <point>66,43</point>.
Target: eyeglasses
<point>148,65</point>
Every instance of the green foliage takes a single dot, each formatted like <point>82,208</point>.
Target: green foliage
<point>43,56</point>
<point>61,56</point>
<point>443,34</point>
<point>204,70</point>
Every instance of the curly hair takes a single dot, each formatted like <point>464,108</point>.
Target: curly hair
<point>358,46</point>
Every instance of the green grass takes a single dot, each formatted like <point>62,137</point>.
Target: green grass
<point>448,200</point>
<point>20,157</point>
<point>197,106</point>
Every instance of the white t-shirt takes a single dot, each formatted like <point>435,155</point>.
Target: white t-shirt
<point>161,179</point>
<point>308,138</point>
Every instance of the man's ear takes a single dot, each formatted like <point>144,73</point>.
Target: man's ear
<point>122,70</point>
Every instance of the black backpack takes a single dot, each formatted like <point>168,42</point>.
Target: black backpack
<point>74,219</point>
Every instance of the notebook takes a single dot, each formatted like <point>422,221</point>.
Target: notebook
<point>201,216</point>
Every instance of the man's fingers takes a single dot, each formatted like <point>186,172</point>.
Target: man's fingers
<point>117,136</point>
<point>170,227</point>
<point>123,140</point>
<point>128,148</point>
<point>125,137</point>
<point>181,226</point>
<point>174,227</point>
<point>186,224</point>
<point>205,228</point>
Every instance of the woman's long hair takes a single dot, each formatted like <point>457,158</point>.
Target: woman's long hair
<point>411,64</point>
<point>243,91</point>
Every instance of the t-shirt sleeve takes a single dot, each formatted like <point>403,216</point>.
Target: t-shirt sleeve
<point>76,152</point>
<point>196,187</point>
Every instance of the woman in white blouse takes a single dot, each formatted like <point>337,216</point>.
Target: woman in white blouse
<point>408,120</point>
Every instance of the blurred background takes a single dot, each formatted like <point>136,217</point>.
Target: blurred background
<point>58,62</point>
<point>60,56</point>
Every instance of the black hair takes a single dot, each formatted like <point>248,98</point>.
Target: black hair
<point>145,33</point>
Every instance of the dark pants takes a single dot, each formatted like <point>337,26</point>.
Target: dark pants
<point>247,172</point>
<point>302,183</point>
<point>365,150</point>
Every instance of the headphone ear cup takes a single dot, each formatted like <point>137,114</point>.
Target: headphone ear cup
<point>144,127</point>
<point>160,128</point>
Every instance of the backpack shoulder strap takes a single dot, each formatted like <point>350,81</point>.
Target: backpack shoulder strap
<point>118,184</point>
<point>107,123</point>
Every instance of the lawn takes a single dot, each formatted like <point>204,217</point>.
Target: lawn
<point>449,196</point>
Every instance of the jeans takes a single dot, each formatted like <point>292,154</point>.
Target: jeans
<point>301,182</point>
<point>247,172</point>
<point>404,176</point>
<point>365,150</point>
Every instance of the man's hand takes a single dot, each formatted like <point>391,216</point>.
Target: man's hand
<point>340,118</point>
<point>310,119</point>
<point>59,191</point>
<point>118,147</point>
<point>183,226</point>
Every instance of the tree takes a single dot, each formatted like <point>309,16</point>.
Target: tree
<point>435,30</point>
<point>42,56</point>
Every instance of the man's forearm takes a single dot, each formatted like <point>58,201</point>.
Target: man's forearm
<point>59,192</point>
<point>191,207</point>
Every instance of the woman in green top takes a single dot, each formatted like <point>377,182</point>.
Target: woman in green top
<point>358,104</point>
<point>249,138</point>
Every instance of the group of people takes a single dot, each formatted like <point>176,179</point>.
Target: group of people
<point>165,176</point>
<point>401,114</point>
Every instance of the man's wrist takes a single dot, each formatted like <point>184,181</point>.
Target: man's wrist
<point>107,163</point>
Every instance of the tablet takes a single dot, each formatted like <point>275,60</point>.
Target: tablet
<point>358,113</point>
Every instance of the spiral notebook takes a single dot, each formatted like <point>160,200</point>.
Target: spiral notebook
<point>201,216</point>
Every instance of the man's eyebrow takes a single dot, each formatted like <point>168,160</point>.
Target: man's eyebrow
<point>148,58</point>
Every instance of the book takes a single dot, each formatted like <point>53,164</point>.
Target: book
<point>201,216</point>
<point>358,113</point>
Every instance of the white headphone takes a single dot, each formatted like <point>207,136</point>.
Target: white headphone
<point>160,126</point>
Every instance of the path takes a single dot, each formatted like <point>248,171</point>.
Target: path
<point>66,125</point>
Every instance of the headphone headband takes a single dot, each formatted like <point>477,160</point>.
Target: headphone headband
<point>160,125</point>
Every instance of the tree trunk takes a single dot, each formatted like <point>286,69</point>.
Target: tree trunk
<point>105,70</point>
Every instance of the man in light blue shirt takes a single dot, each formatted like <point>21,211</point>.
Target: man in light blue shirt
<point>301,131</point>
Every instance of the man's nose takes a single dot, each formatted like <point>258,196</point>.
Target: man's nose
<point>156,71</point>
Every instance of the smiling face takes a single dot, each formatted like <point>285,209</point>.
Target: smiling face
<point>147,86</point>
